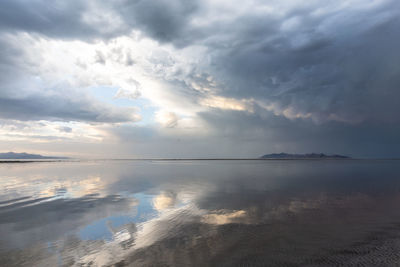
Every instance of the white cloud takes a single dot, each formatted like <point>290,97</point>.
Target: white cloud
<point>227,103</point>
<point>167,119</point>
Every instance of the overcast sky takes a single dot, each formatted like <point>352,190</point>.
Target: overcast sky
<point>212,78</point>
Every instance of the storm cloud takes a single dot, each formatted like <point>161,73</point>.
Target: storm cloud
<point>270,75</point>
<point>49,108</point>
<point>57,19</point>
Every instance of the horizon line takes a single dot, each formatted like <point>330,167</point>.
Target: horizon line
<point>182,159</point>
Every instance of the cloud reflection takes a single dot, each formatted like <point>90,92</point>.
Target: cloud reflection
<point>231,213</point>
<point>164,200</point>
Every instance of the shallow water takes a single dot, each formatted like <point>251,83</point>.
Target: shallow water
<point>200,213</point>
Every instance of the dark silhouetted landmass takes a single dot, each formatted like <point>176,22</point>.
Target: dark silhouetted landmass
<point>12,155</point>
<point>303,156</point>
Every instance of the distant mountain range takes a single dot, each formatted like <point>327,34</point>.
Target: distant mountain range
<point>303,156</point>
<point>12,155</point>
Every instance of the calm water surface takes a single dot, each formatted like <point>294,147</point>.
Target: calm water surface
<point>200,213</point>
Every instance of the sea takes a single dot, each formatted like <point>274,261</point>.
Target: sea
<point>341,212</point>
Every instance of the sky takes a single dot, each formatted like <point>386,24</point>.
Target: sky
<point>210,78</point>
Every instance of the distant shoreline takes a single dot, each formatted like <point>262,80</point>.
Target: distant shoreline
<point>31,160</point>
<point>12,161</point>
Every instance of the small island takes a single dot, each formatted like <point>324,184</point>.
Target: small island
<point>24,156</point>
<point>303,156</point>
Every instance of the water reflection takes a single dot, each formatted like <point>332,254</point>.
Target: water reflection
<point>200,213</point>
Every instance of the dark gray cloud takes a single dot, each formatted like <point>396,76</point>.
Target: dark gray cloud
<point>63,108</point>
<point>162,20</point>
<point>166,21</point>
<point>252,134</point>
<point>336,66</point>
<point>348,78</point>
<point>60,19</point>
